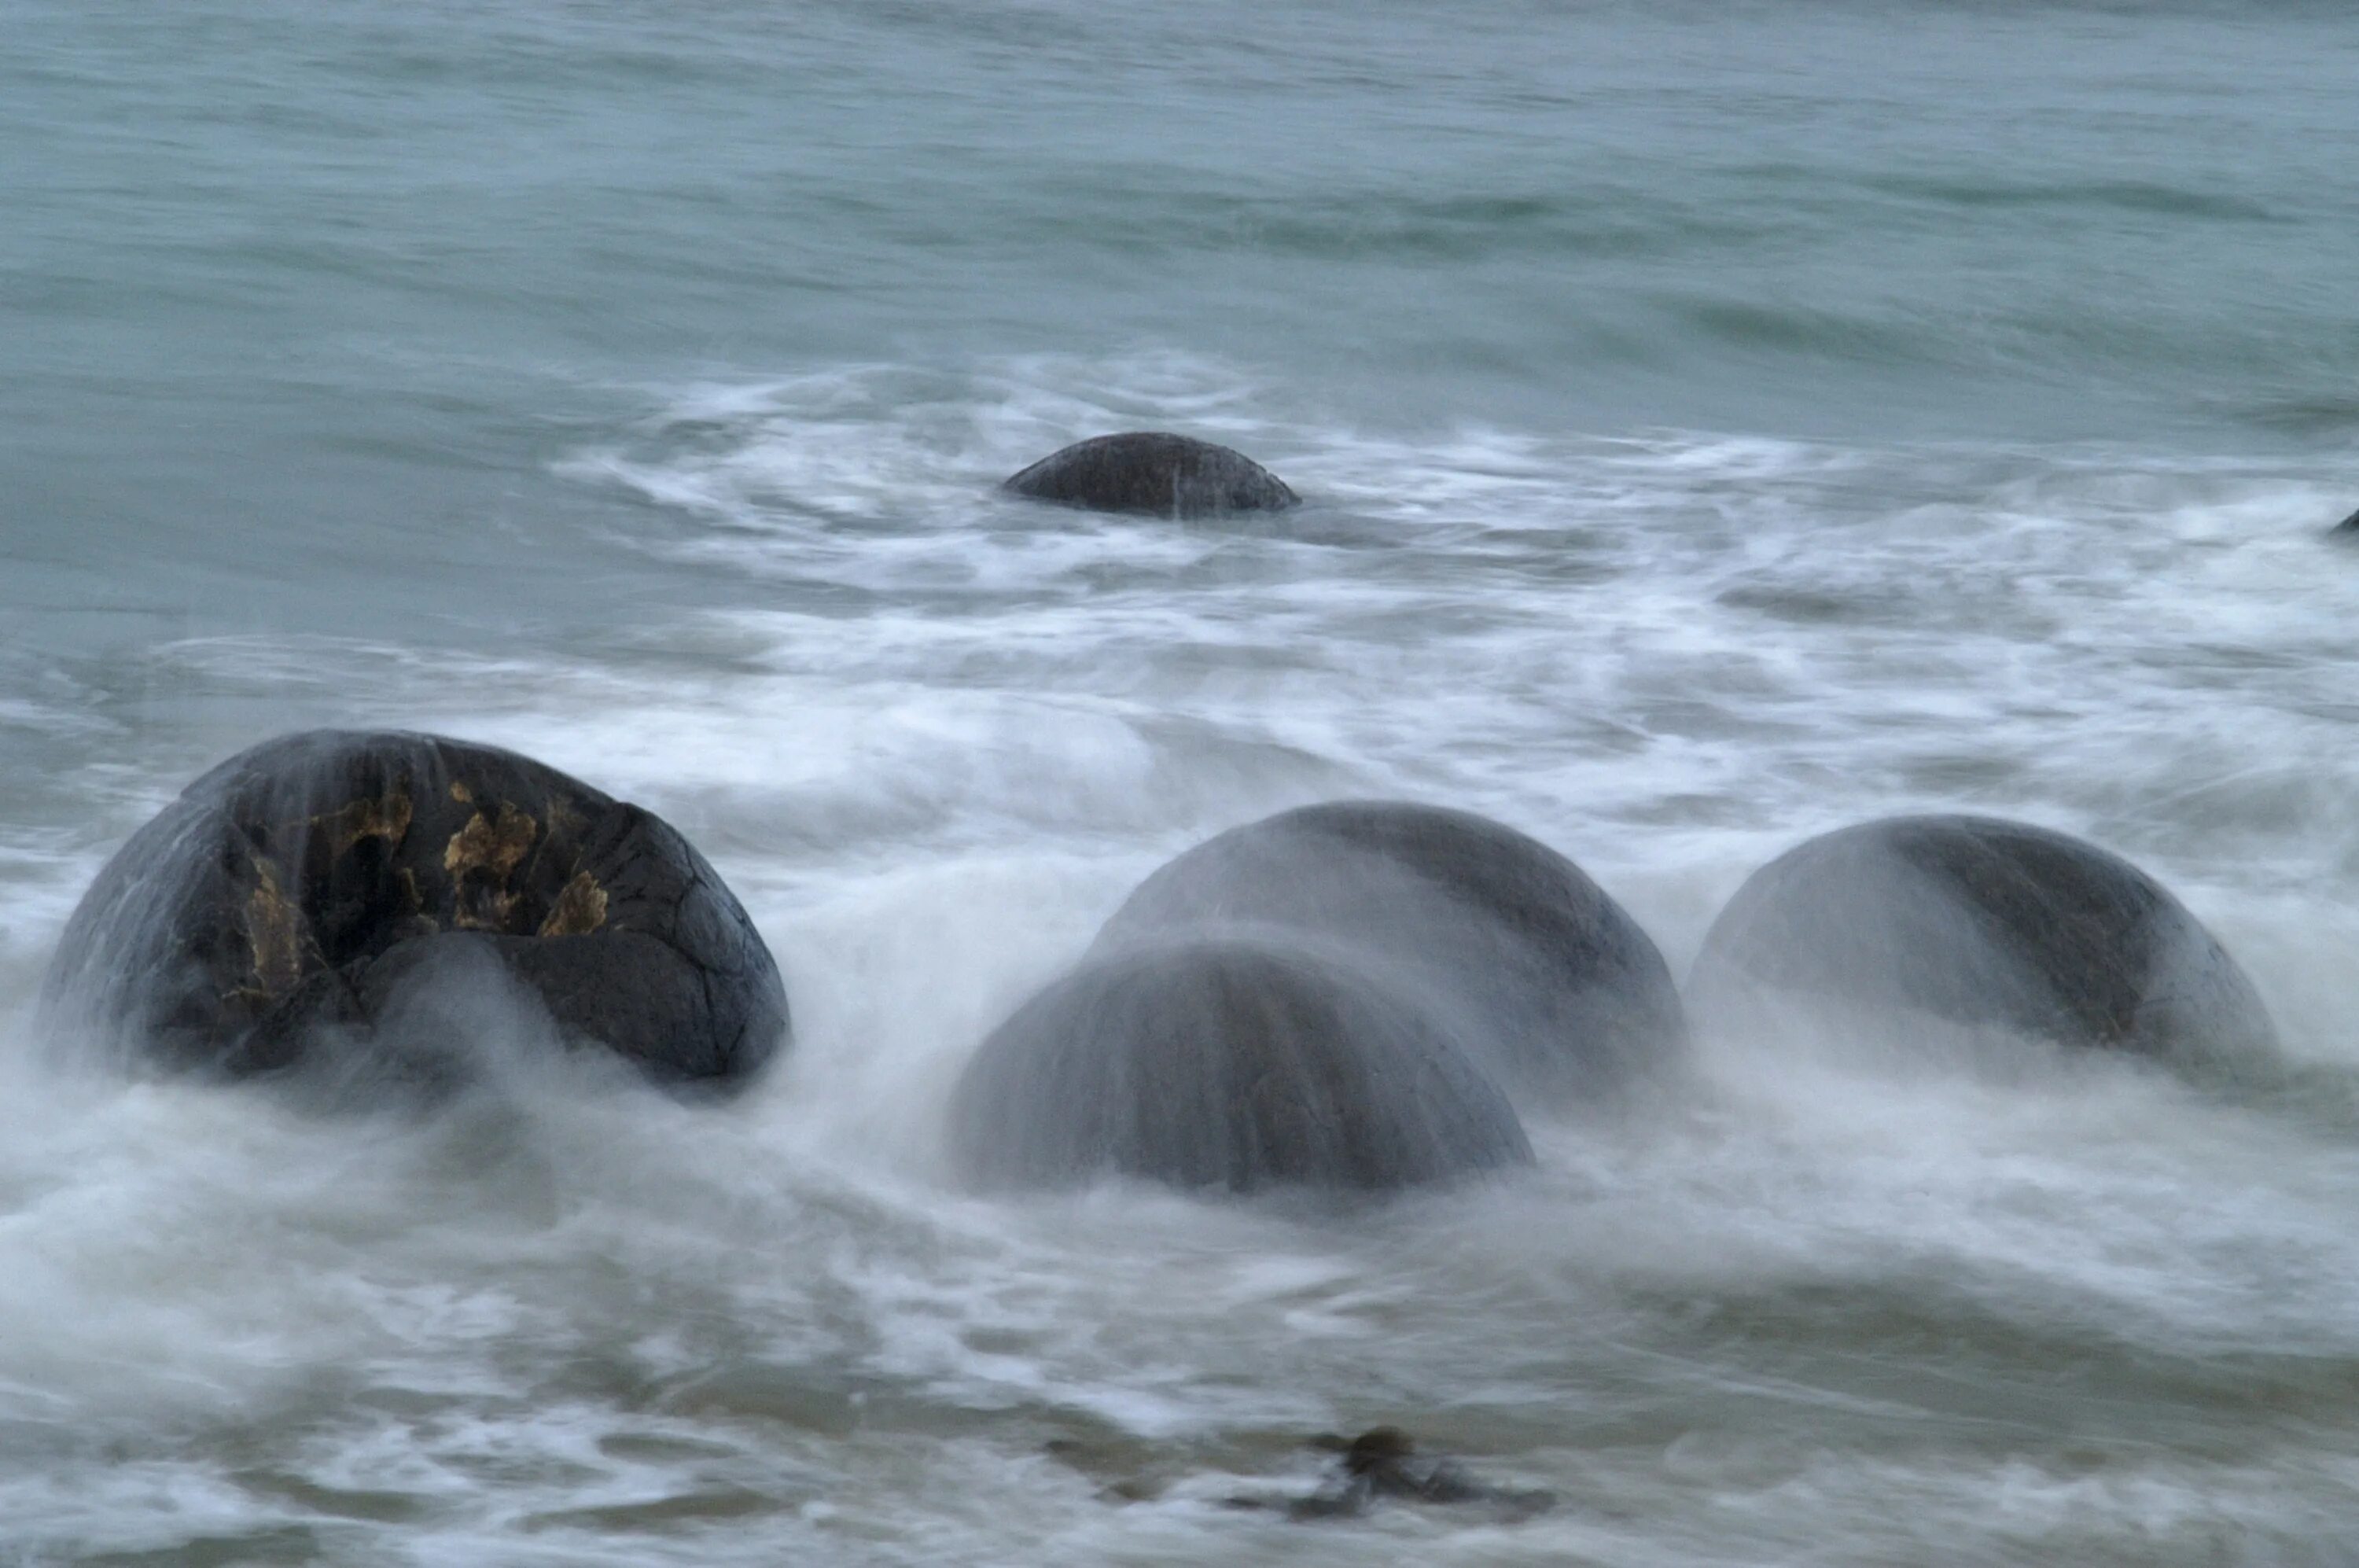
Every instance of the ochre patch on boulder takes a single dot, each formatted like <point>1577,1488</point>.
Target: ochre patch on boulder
<point>482,845</point>
<point>480,858</point>
<point>385,818</point>
<point>273,934</point>
<point>580,909</point>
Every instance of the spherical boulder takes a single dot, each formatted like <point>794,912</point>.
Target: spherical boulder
<point>1155,474</point>
<point>1551,985</point>
<point>1984,924</point>
<point>278,907</point>
<point>1228,1064</point>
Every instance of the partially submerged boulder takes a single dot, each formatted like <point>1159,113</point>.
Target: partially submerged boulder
<point>1356,995</point>
<point>1381,1466</point>
<point>1228,1064</point>
<point>1156,474</point>
<point>278,907</point>
<point>1384,1464</point>
<point>1984,924</point>
<point>1551,983</point>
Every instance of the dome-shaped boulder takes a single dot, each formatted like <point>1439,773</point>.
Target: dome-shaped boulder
<point>1984,924</point>
<point>1551,985</point>
<point>276,908</point>
<point>1227,1064</point>
<point>1153,474</point>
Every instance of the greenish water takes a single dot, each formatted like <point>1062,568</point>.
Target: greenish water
<point>1717,422</point>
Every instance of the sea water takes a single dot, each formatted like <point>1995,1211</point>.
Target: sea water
<point>1717,423</point>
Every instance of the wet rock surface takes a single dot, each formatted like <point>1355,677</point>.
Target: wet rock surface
<point>1356,995</point>
<point>1551,985</point>
<point>291,895</point>
<point>1984,922</point>
<point>1153,474</point>
<point>1383,1464</point>
<point>1227,1064</point>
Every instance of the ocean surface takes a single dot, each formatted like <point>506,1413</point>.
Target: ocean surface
<point>1717,423</point>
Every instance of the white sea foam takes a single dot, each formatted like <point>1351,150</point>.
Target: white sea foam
<point>937,745</point>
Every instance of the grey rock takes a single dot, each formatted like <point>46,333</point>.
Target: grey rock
<point>1383,1464</point>
<point>1986,923</point>
<point>290,897</point>
<point>1552,986</point>
<point>1153,474</point>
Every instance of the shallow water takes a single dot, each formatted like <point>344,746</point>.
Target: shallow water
<point>1717,426</point>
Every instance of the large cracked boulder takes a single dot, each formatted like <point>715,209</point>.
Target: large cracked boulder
<point>1551,985</point>
<point>1155,474</point>
<point>1987,924</point>
<point>292,895</point>
<point>1232,1065</point>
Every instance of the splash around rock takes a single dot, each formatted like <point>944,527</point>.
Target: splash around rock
<point>1232,1065</point>
<point>1153,474</point>
<point>290,897</point>
<point>1985,923</point>
<point>1359,995</point>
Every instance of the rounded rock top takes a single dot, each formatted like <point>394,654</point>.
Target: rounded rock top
<point>1552,982</point>
<point>1153,474</point>
<point>276,911</point>
<point>1228,1064</point>
<point>1982,921</point>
